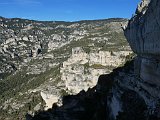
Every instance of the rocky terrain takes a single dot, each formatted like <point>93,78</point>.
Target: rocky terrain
<point>130,92</point>
<point>145,44</point>
<point>41,61</point>
<point>82,70</point>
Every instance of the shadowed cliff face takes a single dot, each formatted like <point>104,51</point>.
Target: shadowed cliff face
<point>143,35</point>
<point>143,30</point>
<point>97,103</point>
<point>131,92</point>
<point>92,105</point>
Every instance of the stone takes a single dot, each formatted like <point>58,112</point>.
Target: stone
<point>143,34</point>
<point>49,99</point>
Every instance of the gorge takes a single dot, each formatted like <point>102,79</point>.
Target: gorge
<point>41,61</point>
<point>130,92</point>
<point>84,70</point>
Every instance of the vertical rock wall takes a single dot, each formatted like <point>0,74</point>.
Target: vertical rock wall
<point>143,35</point>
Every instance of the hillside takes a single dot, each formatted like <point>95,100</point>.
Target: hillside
<point>41,61</point>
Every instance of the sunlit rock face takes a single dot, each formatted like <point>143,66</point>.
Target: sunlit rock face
<point>142,7</point>
<point>82,69</point>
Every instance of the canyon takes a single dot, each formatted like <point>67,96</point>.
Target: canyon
<point>42,61</point>
<point>130,92</point>
<point>82,70</point>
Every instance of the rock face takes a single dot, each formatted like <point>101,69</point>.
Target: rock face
<point>143,79</point>
<point>49,99</point>
<point>82,69</point>
<point>143,33</point>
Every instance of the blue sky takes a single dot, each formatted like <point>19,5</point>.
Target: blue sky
<point>67,10</point>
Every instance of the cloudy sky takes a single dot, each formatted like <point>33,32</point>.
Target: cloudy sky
<point>67,10</point>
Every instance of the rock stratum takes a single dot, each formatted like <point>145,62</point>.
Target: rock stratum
<point>131,92</point>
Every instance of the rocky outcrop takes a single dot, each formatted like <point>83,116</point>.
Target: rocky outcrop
<point>143,33</point>
<point>82,69</point>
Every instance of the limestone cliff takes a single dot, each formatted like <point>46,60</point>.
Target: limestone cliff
<point>143,33</point>
<point>82,69</point>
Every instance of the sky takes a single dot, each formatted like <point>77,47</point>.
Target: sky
<point>67,10</point>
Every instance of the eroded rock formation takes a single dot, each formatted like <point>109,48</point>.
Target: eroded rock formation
<point>143,34</point>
